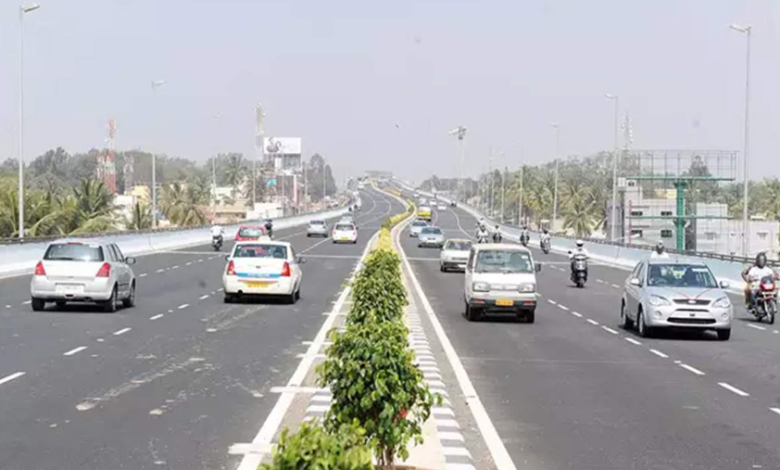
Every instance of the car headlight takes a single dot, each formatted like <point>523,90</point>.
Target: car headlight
<point>723,302</point>
<point>528,287</point>
<point>481,287</point>
<point>657,301</point>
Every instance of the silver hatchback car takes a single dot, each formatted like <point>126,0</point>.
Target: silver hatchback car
<point>431,236</point>
<point>668,294</point>
<point>74,270</point>
<point>317,228</point>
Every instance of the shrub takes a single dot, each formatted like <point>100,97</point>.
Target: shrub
<point>374,382</point>
<point>378,292</point>
<point>312,448</point>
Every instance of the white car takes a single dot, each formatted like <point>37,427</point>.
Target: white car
<point>344,232</point>
<point>317,228</point>
<point>454,254</point>
<point>500,278</point>
<point>416,227</point>
<point>442,206</point>
<point>74,270</point>
<point>263,268</point>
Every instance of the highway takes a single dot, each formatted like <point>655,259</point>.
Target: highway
<point>171,383</point>
<point>575,391</point>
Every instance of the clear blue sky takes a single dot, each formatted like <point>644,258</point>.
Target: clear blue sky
<point>378,84</point>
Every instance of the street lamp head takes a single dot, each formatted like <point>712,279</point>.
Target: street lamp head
<point>29,7</point>
<point>610,96</point>
<point>740,28</point>
<point>157,83</point>
<point>554,125</point>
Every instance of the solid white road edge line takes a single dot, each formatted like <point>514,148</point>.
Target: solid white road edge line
<point>733,389</point>
<point>274,419</point>
<point>495,445</point>
<point>11,377</point>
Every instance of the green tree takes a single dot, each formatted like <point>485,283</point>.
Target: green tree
<point>140,217</point>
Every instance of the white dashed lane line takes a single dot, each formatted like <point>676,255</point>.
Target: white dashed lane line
<point>183,306</point>
<point>74,351</point>
<point>203,297</point>
<point>592,322</point>
<point>609,330</point>
<point>616,286</point>
<point>26,302</point>
<point>756,327</point>
<point>159,270</point>
<point>552,302</point>
<point>159,315</point>
<point>122,331</point>
<point>563,307</point>
<point>692,369</point>
<point>775,410</point>
<point>633,341</point>
<point>142,275</point>
<point>175,267</point>
<point>659,353</point>
<point>733,389</point>
<point>576,314</point>
<point>11,377</point>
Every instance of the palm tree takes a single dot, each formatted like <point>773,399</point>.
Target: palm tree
<point>578,216</point>
<point>140,217</point>
<point>235,172</point>
<point>182,205</point>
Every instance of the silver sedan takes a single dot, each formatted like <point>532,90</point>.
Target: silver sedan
<point>317,228</point>
<point>431,236</point>
<point>675,295</point>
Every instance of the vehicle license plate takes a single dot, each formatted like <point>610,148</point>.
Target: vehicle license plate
<point>69,289</point>
<point>505,302</point>
<point>259,284</point>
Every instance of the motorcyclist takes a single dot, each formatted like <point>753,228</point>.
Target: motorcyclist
<point>525,236</point>
<point>497,235</point>
<point>482,234</point>
<point>580,251</point>
<point>752,276</point>
<point>659,252</point>
<point>545,238</point>
<point>269,227</point>
<point>217,232</point>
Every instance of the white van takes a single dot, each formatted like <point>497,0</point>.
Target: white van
<point>500,278</point>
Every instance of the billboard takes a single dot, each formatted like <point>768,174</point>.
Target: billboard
<point>282,146</point>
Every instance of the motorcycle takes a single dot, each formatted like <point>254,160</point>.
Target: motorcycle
<point>483,238</point>
<point>269,230</point>
<point>579,270</point>
<point>545,245</point>
<point>766,300</point>
<point>216,243</point>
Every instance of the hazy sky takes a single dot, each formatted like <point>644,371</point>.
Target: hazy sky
<point>377,85</point>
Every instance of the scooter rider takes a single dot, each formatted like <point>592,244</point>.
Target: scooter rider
<point>545,238</point>
<point>217,233</point>
<point>752,276</point>
<point>497,235</point>
<point>659,252</point>
<point>482,234</point>
<point>269,227</point>
<point>524,235</point>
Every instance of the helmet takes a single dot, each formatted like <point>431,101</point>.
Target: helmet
<point>496,227</point>
<point>659,248</point>
<point>580,243</point>
<point>544,230</point>
<point>761,259</point>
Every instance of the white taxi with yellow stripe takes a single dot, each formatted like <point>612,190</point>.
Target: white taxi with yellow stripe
<point>263,268</point>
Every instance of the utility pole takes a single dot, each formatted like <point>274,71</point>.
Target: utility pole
<point>460,133</point>
<point>520,199</point>
<point>24,9</point>
<point>555,192</point>
<point>503,193</point>
<point>155,85</point>
<point>259,145</point>
<point>746,30</point>
<point>613,217</point>
<point>490,182</point>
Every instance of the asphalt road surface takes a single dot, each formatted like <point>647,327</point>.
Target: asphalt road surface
<point>575,391</point>
<point>171,383</point>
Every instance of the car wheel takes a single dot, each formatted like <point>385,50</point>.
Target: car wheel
<point>130,300</point>
<point>724,335</point>
<point>472,314</point>
<point>298,293</point>
<point>290,298</point>
<point>626,322</point>
<point>643,330</point>
<point>61,304</point>
<point>37,304</point>
<point>442,268</point>
<point>228,298</point>
<point>308,235</point>
<point>530,316</point>
<point>109,306</point>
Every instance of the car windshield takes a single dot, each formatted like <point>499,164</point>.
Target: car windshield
<point>419,223</point>
<point>250,232</point>
<point>260,251</point>
<point>458,246</point>
<point>431,231</point>
<point>317,222</point>
<point>503,261</point>
<point>680,275</point>
<point>73,252</point>
<point>345,227</point>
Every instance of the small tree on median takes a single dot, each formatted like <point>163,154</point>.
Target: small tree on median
<point>312,448</point>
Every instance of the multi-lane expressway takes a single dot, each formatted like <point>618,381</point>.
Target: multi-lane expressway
<point>177,380</point>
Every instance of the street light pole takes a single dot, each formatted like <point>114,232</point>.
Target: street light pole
<point>555,193</point>
<point>615,98</point>
<point>217,118</point>
<point>23,9</point>
<point>155,85</point>
<point>460,133</point>
<point>745,219</point>
<point>520,199</point>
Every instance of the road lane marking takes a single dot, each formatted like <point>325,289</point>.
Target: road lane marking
<point>576,314</point>
<point>733,389</point>
<point>142,275</point>
<point>188,263</point>
<point>203,297</point>
<point>606,328</point>
<point>183,306</point>
<point>7,306</point>
<point>220,289</point>
<point>692,369</point>
<point>175,267</point>
<point>450,436</point>
<point>592,322</point>
<point>122,331</point>
<point>750,325</point>
<point>26,302</point>
<point>455,451</point>
<point>633,341</point>
<point>159,270</point>
<point>599,280</point>
<point>659,353</point>
<point>563,307</point>
<point>616,286</point>
<point>74,351</point>
<point>447,423</point>
<point>552,302</point>
<point>775,410</point>
<point>159,315</point>
<point>11,377</point>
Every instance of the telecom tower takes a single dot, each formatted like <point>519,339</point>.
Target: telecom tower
<point>106,167</point>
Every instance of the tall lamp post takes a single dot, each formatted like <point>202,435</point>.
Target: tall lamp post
<point>23,9</point>
<point>460,133</point>
<point>557,129</point>
<point>746,30</point>
<point>614,98</point>
<point>155,85</point>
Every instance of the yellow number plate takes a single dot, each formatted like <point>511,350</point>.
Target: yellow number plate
<point>505,302</point>
<point>260,285</point>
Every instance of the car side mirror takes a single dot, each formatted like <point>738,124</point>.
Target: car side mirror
<point>538,267</point>
<point>724,284</point>
<point>227,257</point>
<point>130,260</point>
<point>634,282</point>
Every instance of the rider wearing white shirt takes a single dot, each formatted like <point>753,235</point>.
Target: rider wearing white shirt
<point>660,252</point>
<point>217,231</point>
<point>752,276</point>
<point>580,251</point>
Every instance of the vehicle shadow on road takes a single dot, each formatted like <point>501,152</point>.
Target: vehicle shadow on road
<point>674,335</point>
